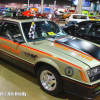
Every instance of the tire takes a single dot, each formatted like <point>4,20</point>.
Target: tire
<point>49,80</point>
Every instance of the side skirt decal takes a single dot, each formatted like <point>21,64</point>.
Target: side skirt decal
<point>17,58</point>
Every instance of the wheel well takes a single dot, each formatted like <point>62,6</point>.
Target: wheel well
<point>39,65</point>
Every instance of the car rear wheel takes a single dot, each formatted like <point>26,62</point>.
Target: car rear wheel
<point>49,80</point>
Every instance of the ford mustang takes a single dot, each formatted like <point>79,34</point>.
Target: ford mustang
<point>88,30</point>
<point>61,62</point>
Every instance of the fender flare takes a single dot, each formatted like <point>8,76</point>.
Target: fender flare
<point>49,62</point>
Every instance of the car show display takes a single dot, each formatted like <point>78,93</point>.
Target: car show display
<point>56,43</point>
<point>59,61</point>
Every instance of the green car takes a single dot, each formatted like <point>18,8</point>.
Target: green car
<point>85,12</point>
<point>61,62</point>
<point>89,14</point>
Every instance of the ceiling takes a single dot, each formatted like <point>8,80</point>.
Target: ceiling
<point>59,2</point>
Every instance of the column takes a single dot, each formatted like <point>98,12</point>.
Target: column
<point>79,6</point>
<point>55,4</point>
<point>28,3</point>
<point>42,2</point>
<point>92,6</point>
<point>95,6</point>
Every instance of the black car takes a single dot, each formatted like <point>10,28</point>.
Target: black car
<point>89,30</point>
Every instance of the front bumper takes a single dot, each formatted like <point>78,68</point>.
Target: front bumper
<point>81,89</point>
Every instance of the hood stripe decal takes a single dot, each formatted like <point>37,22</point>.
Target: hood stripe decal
<point>83,53</point>
<point>88,57</point>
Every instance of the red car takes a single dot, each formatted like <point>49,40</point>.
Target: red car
<point>46,15</point>
<point>29,13</point>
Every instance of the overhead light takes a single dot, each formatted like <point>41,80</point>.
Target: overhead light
<point>97,1</point>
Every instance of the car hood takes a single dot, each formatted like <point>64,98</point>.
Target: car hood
<point>70,48</point>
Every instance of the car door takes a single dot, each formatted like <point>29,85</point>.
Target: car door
<point>10,49</point>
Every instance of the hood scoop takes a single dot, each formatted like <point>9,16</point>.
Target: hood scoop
<point>80,45</point>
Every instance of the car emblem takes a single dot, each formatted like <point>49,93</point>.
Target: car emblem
<point>69,71</point>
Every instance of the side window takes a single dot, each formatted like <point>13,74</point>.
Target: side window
<point>10,31</point>
<point>94,30</point>
<point>84,29</point>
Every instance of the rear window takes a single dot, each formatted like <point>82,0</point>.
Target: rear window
<point>79,17</point>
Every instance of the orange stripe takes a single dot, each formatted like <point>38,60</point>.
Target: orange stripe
<point>47,55</point>
<point>13,42</point>
<point>17,58</point>
<point>26,47</point>
<point>74,66</point>
<point>70,48</point>
<point>57,44</point>
<point>82,77</point>
<point>40,51</point>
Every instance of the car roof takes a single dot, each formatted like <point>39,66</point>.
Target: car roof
<point>24,20</point>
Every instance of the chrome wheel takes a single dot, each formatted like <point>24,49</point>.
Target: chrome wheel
<point>48,80</point>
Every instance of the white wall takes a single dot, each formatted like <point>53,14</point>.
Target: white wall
<point>89,8</point>
<point>98,6</point>
<point>86,8</point>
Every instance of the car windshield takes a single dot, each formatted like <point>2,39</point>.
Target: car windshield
<point>43,30</point>
<point>79,17</point>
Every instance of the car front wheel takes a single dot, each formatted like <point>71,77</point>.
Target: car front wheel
<point>49,80</point>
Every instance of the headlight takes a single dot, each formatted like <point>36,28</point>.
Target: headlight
<point>94,74</point>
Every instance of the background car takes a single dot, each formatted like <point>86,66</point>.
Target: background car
<point>95,18</point>
<point>76,18</point>
<point>88,30</point>
<point>89,14</point>
<point>29,13</point>
<point>68,13</point>
<point>85,12</point>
